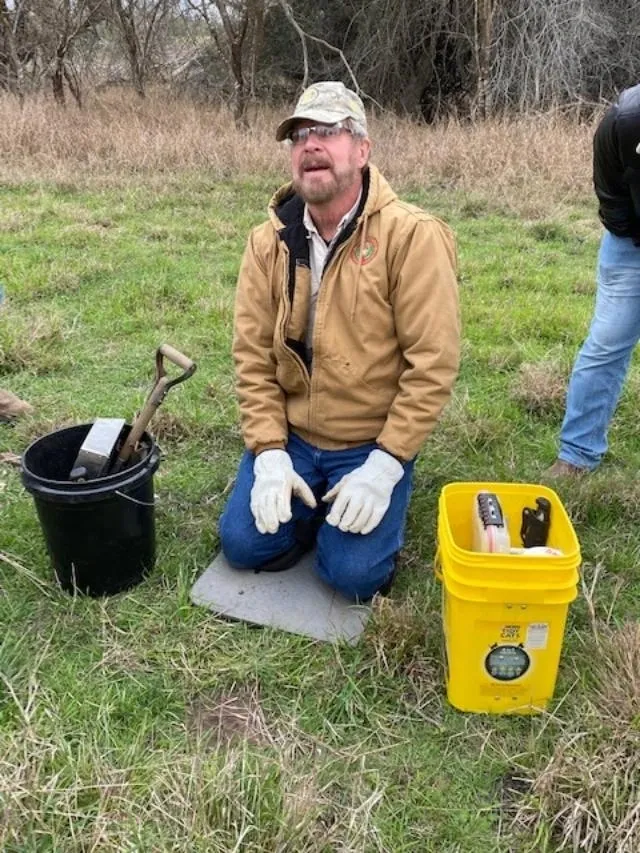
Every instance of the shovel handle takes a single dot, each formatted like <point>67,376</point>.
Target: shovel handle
<point>176,357</point>
<point>155,398</point>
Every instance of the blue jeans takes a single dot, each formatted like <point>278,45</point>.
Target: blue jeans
<point>601,367</point>
<point>355,565</point>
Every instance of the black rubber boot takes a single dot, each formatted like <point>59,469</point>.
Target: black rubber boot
<point>306,532</point>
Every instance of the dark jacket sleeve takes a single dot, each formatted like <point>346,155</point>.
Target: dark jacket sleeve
<point>616,209</point>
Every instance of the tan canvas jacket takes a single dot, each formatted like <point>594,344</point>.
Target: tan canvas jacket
<point>386,334</point>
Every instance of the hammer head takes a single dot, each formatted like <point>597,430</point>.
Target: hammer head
<point>98,448</point>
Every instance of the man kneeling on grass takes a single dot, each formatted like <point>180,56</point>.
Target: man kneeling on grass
<point>346,345</point>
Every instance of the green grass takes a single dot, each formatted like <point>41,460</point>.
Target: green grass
<point>113,731</point>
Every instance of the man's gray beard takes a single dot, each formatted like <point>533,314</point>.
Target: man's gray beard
<point>318,195</point>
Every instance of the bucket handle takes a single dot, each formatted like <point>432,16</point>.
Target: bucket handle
<point>437,565</point>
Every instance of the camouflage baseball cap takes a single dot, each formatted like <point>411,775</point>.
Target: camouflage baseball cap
<point>326,102</point>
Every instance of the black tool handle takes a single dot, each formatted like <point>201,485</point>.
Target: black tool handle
<point>536,523</point>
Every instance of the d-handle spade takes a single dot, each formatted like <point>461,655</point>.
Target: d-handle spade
<point>155,398</point>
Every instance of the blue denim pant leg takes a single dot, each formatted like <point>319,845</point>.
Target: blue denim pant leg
<point>242,544</point>
<point>601,366</point>
<point>357,565</point>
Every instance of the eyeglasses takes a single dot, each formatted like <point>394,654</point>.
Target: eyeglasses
<point>324,131</point>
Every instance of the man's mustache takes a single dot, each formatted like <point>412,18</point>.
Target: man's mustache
<point>308,163</point>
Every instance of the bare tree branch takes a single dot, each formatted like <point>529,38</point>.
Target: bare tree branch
<point>138,22</point>
<point>8,27</point>
<point>237,38</point>
<point>286,8</point>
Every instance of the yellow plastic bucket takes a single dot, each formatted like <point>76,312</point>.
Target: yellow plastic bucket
<point>503,615</point>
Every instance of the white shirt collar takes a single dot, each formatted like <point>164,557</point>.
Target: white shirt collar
<point>310,225</point>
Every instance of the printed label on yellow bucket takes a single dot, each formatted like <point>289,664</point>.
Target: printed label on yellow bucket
<point>511,632</point>
<point>537,635</point>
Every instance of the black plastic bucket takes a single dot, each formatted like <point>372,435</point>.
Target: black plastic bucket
<point>100,534</point>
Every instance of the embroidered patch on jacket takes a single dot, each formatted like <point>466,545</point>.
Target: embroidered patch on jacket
<point>368,252</point>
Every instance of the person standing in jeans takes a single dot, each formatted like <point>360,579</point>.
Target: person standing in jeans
<point>346,346</point>
<point>602,364</point>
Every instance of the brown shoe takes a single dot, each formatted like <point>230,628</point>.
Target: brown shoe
<point>560,468</point>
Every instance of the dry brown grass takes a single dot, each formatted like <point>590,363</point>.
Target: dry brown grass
<point>589,792</point>
<point>540,388</point>
<point>229,716</point>
<point>533,165</point>
<point>32,342</point>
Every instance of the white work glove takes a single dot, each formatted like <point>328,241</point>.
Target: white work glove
<point>275,481</point>
<point>361,498</point>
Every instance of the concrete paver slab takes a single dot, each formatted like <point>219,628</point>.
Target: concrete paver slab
<point>295,600</point>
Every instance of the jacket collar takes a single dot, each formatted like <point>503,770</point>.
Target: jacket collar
<point>286,206</point>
